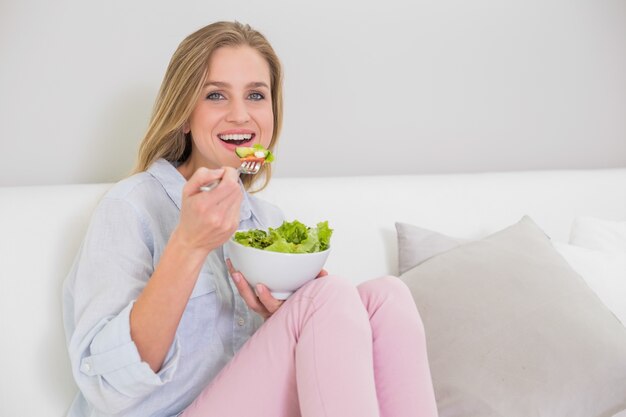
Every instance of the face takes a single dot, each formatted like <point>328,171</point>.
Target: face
<point>234,108</point>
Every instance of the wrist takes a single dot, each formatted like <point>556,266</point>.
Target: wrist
<point>183,247</point>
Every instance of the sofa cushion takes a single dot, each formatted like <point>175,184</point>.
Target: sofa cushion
<point>513,331</point>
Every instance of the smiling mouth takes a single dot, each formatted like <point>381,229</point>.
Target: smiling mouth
<point>237,138</point>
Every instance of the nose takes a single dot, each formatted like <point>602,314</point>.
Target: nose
<point>237,112</point>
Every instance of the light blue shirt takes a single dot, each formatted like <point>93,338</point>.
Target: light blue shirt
<point>124,242</point>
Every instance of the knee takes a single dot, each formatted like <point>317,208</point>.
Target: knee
<point>387,286</point>
<point>328,285</point>
<point>329,290</point>
<point>393,295</point>
<point>334,292</point>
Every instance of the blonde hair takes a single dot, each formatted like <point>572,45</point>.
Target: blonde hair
<point>182,84</point>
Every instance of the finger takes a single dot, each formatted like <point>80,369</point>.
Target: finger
<point>228,186</point>
<point>228,210</point>
<point>270,303</point>
<point>223,200</point>
<point>248,295</point>
<point>245,290</point>
<point>201,177</point>
<point>231,174</point>
<point>229,265</point>
<point>322,273</point>
<point>229,200</point>
<point>229,180</point>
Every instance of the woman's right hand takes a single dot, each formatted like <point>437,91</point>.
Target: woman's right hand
<point>209,218</point>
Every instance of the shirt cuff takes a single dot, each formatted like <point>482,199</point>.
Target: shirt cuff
<point>114,357</point>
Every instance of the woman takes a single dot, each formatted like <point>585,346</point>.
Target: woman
<point>158,322</point>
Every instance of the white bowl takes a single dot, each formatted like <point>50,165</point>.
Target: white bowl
<point>282,273</point>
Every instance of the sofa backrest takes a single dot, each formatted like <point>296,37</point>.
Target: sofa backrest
<point>363,210</point>
<point>41,229</point>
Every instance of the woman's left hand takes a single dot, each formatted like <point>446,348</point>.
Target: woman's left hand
<point>264,305</point>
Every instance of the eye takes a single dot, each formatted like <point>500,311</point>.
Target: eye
<point>256,96</point>
<point>215,96</point>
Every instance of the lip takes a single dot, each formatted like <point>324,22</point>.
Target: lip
<point>236,132</point>
<point>232,146</point>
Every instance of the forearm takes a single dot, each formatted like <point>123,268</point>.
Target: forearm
<point>157,312</point>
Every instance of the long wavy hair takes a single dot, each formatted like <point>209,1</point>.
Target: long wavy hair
<point>181,87</point>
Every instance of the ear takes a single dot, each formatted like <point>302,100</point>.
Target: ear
<point>186,128</point>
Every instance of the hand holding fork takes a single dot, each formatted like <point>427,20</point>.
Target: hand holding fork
<point>248,167</point>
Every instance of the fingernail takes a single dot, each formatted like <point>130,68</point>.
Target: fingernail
<point>259,288</point>
<point>236,277</point>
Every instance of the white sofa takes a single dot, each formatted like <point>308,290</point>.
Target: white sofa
<point>41,228</point>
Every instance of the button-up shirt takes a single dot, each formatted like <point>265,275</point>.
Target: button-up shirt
<point>124,242</point>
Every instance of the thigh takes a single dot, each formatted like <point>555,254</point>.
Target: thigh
<point>260,379</point>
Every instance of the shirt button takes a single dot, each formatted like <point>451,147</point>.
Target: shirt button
<point>86,367</point>
<point>241,321</point>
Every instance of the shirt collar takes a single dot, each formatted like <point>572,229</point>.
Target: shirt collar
<point>173,182</point>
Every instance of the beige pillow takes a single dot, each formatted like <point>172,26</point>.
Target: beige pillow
<point>513,331</point>
<point>416,244</point>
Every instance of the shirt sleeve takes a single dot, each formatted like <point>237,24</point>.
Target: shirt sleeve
<point>110,271</point>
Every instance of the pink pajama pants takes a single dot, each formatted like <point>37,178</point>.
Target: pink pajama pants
<point>331,350</point>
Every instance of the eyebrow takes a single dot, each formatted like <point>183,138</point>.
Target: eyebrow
<point>221,84</point>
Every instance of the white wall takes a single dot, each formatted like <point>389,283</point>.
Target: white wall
<point>422,86</point>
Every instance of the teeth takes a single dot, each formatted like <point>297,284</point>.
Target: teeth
<point>243,136</point>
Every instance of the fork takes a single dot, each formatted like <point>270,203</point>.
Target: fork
<point>246,167</point>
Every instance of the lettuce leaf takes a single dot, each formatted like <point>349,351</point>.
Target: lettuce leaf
<point>290,237</point>
<point>269,156</point>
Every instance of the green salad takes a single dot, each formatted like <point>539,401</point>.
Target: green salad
<point>290,237</point>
